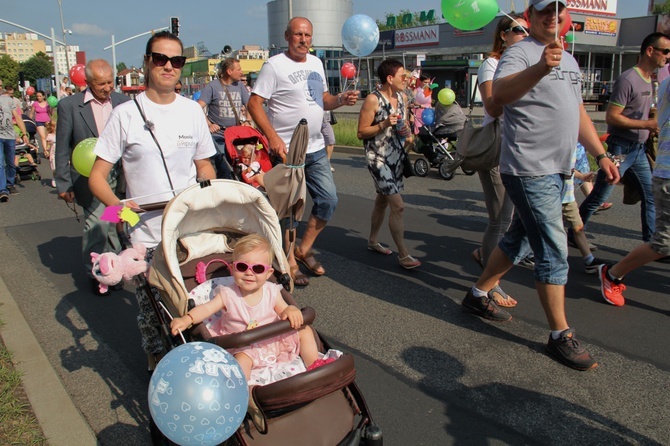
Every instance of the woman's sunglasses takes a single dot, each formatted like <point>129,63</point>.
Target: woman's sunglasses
<point>161,59</point>
<point>520,30</point>
<point>257,268</point>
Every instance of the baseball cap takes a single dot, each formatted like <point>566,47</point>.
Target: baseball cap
<point>539,5</point>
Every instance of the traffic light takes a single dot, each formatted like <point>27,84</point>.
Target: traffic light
<point>174,25</point>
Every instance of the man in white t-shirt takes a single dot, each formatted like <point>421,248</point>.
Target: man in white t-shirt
<point>294,85</point>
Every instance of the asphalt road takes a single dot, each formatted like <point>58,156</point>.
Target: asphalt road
<point>432,374</point>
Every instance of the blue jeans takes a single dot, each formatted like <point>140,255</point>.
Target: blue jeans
<point>223,170</point>
<point>7,167</point>
<point>636,161</point>
<point>537,225</point>
<point>320,185</point>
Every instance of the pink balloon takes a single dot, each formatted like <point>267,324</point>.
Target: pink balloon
<point>348,70</point>
<point>78,75</point>
<point>30,91</point>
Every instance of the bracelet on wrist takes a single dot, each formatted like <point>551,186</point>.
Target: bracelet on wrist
<point>192,320</point>
<point>599,157</point>
<point>339,99</point>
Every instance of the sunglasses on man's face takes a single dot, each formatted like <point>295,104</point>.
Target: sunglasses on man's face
<point>257,268</point>
<point>161,59</point>
<point>520,30</point>
<point>665,51</point>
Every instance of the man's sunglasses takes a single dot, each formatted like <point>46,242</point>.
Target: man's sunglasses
<point>257,268</point>
<point>665,51</point>
<point>161,59</point>
<point>520,30</point>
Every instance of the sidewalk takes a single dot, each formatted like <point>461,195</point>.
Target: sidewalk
<point>61,422</point>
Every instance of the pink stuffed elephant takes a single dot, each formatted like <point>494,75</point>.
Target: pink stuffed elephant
<point>110,269</point>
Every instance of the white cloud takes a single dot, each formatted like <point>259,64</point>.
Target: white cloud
<point>86,29</point>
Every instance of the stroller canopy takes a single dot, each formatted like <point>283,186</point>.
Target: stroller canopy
<point>193,226</point>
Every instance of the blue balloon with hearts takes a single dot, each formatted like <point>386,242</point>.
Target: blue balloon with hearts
<point>198,395</point>
<point>428,116</point>
<point>360,35</point>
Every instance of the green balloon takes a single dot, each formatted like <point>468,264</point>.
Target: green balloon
<point>469,15</point>
<point>570,37</point>
<point>83,156</point>
<point>52,101</point>
<point>446,96</point>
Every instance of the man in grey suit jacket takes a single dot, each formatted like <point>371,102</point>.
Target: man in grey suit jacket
<point>82,116</point>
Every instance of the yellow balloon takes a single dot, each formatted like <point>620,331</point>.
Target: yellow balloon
<point>83,156</point>
<point>446,96</point>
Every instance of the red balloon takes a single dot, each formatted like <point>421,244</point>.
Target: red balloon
<point>78,75</point>
<point>604,137</point>
<point>30,90</point>
<point>348,70</point>
<point>567,24</point>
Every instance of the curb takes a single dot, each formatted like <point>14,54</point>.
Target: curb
<point>60,420</point>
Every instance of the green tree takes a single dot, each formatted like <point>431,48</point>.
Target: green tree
<point>120,67</point>
<point>37,67</point>
<point>408,19</point>
<point>661,9</point>
<point>9,71</point>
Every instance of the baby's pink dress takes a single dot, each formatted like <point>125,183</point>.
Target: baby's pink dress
<point>238,316</point>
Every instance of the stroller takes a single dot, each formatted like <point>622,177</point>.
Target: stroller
<point>319,407</point>
<point>31,129</point>
<point>236,138</point>
<point>436,142</point>
<point>25,170</point>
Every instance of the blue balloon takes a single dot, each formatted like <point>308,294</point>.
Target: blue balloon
<point>196,95</point>
<point>428,116</point>
<point>360,35</point>
<point>198,394</point>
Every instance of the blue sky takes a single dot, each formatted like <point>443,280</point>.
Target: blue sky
<point>213,22</point>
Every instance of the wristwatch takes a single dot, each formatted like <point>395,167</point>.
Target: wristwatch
<point>601,156</point>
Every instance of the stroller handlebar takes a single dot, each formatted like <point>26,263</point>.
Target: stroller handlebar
<point>237,340</point>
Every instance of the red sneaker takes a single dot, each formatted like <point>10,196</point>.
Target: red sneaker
<point>611,290</point>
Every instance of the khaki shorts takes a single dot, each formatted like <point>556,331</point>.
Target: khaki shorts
<point>571,215</point>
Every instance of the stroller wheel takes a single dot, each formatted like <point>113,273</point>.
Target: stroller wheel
<point>468,172</point>
<point>421,167</point>
<point>446,170</point>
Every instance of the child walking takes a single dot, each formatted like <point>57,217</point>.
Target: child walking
<point>50,150</point>
<point>252,301</point>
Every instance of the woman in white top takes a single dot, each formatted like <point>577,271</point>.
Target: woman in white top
<point>500,208</point>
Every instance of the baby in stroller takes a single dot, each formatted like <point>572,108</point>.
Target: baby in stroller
<point>250,169</point>
<point>247,152</point>
<point>252,301</point>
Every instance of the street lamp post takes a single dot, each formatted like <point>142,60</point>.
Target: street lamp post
<point>65,31</point>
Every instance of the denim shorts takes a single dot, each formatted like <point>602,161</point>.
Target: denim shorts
<point>320,185</point>
<point>660,241</point>
<point>537,225</point>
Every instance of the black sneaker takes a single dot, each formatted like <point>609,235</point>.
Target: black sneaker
<point>593,267</point>
<point>570,352</point>
<point>12,190</point>
<point>485,307</point>
<point>4,197</point>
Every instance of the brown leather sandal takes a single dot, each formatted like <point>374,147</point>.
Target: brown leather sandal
<point>299,279</point>
<point>309,261</point>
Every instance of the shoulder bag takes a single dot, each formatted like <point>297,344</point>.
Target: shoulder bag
<point>479,146</point>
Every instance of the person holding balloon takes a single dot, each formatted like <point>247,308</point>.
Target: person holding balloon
<point>80,117</point>
<point>40,112</point>
<point>165,145</point>
<point>294,85</point>
<point>381,126</point>
<point>509,31</point>
<point>543,119</point>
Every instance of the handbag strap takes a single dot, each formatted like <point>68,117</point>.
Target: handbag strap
<point>472,98</point>
<point>232,104</point>
<point>149,126</point>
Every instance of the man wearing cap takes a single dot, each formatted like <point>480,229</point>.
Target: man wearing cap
<point>538,85</point>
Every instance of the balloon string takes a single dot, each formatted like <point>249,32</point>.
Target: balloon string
<point>556,27</point>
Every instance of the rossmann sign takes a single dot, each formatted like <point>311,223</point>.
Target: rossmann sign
<point>600,7</point>
<point>423,36</point>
